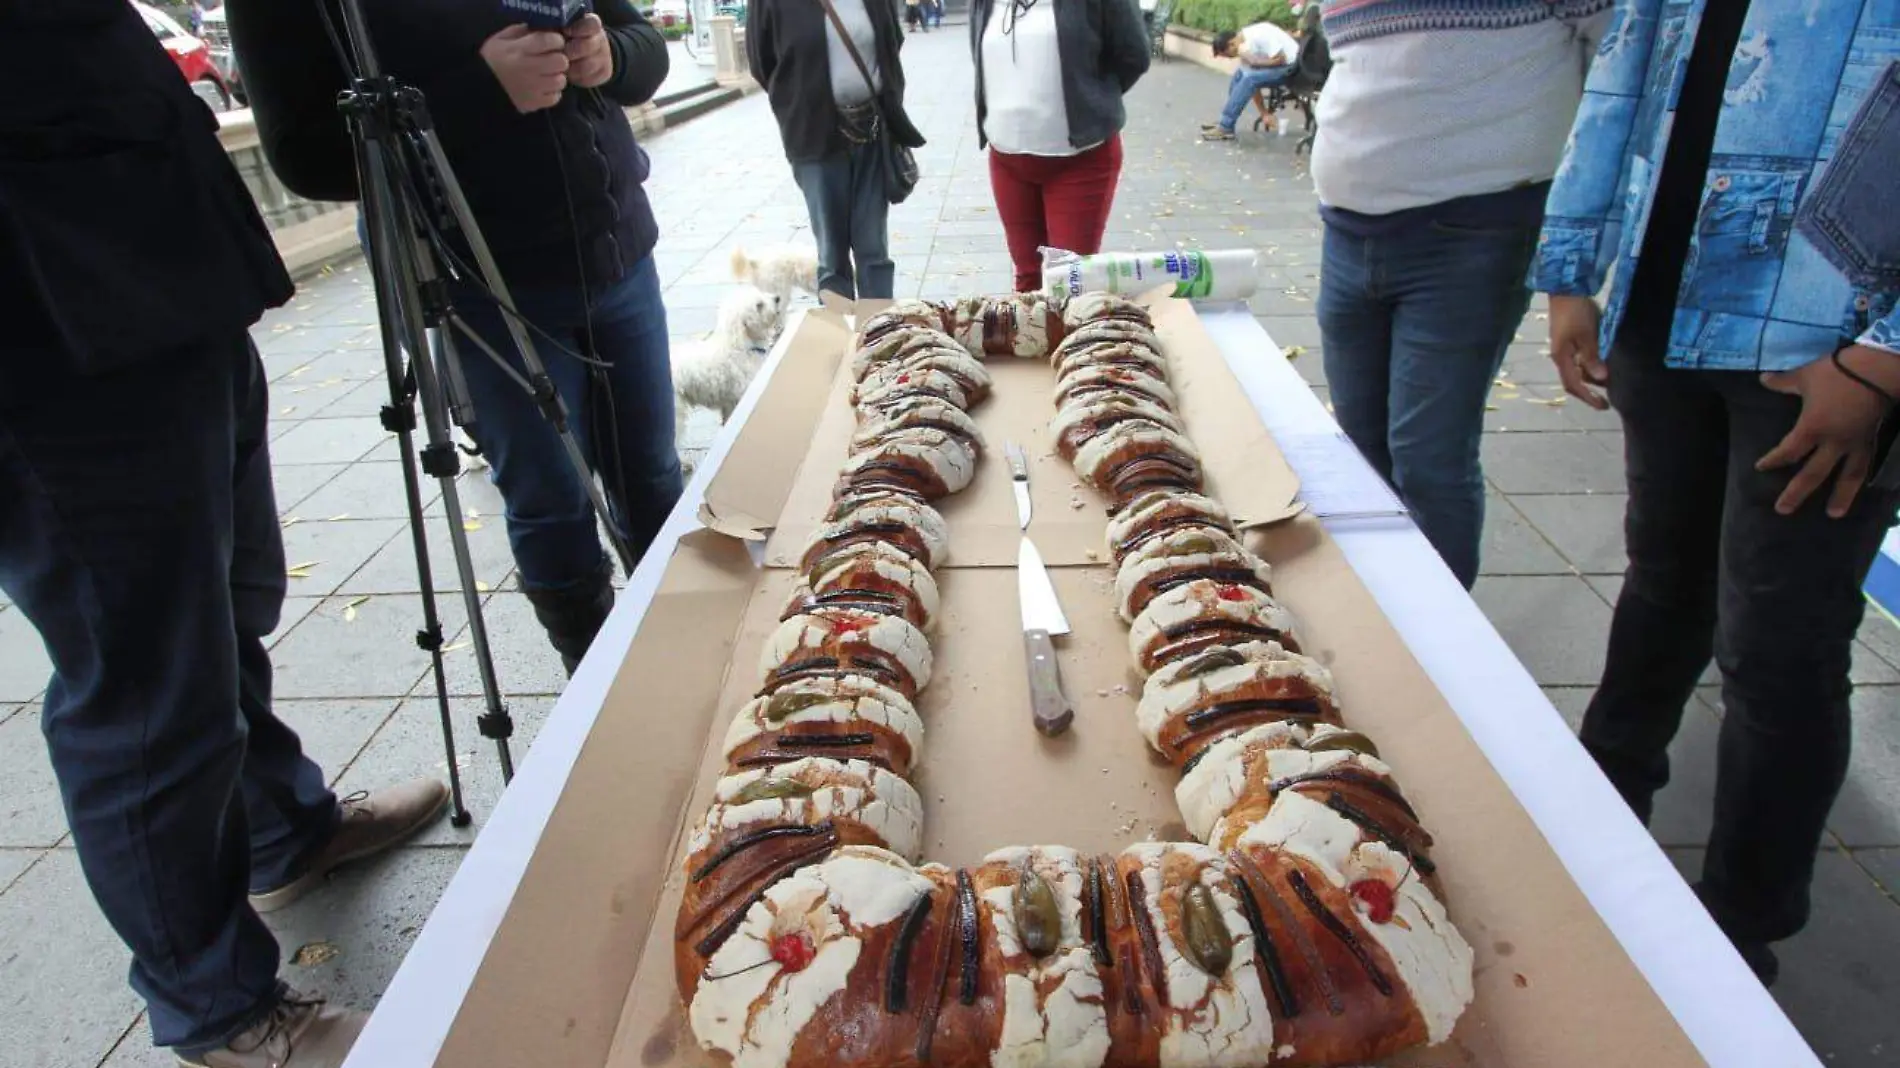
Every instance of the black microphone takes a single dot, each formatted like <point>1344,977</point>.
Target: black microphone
<point>547,14</point>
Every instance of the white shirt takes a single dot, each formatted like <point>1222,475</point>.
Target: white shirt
<point>1264,40</point>
<point>847,83</point>
<point>1025,112</point>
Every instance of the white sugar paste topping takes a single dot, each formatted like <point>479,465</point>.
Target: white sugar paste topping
<point>1134,572</point>
<point>899,718</point>
<point>889,563</point>
<point>1188,541</point>
<point>1219,1022</point>
<point>753,1011</point>
<point>904,341</point>
<point>1433,959</point>
<point>936,383</point>
<point>919,517</point>
<point>1201,600</point>
<point>1085,307</point>
<point>1148,383</point>
<point>917,411</point>
<point>1112,331</point>
<point>1206,799</point>
<point>798,636</point>
<point>945,457</point>
<point>949,359</point>
<point>1091,458</point>
<point>1107,352</point>
<point>1069,1027</point>
<point>1071,416</point>
<point>1167,695</point>
<point>884,803</point>
<point>1123,526</point>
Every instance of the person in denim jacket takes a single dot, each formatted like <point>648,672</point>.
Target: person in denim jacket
<point>1730,170</point>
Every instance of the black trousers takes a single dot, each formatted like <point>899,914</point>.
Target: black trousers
<point>1775,599</point>
<point>138,534</point>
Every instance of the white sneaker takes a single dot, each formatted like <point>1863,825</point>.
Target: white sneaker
<point>301,1032</point>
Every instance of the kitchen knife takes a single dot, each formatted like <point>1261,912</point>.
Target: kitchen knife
<point>1019,481</point>
<point>1042,618</point>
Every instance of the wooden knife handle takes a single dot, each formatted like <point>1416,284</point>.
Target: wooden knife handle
<point>1047,700</point>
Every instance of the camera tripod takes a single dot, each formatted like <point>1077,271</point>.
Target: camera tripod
<point>410,203</point>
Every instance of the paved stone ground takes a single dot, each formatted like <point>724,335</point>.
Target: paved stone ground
<point>352,682</point>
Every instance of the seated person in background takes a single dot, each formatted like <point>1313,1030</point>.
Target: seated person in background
<point>1268,56</point>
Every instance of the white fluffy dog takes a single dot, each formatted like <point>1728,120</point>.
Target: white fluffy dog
<point>715,372</point>
<point>779,270</point>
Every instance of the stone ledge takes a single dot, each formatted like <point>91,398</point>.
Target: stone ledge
<point>1195,46</point>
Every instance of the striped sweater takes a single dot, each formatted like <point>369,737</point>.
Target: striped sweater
<point>1347,21</point>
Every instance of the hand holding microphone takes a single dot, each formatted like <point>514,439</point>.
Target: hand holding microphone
<point>590,62</point>
<point>532,65</point>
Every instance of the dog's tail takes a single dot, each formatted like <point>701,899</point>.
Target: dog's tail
<point>742,266</point>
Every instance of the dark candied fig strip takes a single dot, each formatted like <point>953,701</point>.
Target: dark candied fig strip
<point>1305,707</point>
<point>947,939</point>
<point>897,972</point>
<point>1380,831</point>
<point>967,932</point>
<point>1338,929</point>
<point>1264,949</point>
<point>1340,775</point>
<point>1165,525</point>
<point>717,937</point>
<point>1097,913</point>
<point>772,758</point>
<point>1232,576</point>
<point>877,602</point>
<point>751,838</point>
<point>1315,964</point>
<point>1132,1002</point>
<point>824,741</point>
<point>1150,942</point>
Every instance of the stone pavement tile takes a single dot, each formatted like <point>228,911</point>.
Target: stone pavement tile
<point>364,399</point>
<point>1868,812</point>
<point>14,862</point>
<point>1838,984</point>
<point>63,997</point>
<point>1555,624</point>
<point>393,569</point>
<point>334,370</point>
<point>352,935</point>
<point>1290,302</point>
<point>366,491</point>
<point>335,732</point>
<point>1515,408</point>
<point>1529,364</point>
<point>24,668</point>
<point>372,655</point>
<point>30,810</point>
<point>1512,546</point>
<point>410,744</point>
<point>524,661</point>
<point>326,441</point>
<point>311,340</point>
<point>135,1050</point>
<point>1607,587</point>
<point>1884,866</point>
<point>1586,528</point>
<point>1571,701</point>
<point>1881,635</point>
<point>1552,463</point>
<point>1685,808</point>
<point>325,552</point>
<point>293,613</point>
<point>294,482</point>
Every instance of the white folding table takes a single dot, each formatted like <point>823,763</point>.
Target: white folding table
<point>1729,1017</point>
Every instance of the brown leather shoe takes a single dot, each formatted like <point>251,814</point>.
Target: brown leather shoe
<point>301,1032</point>
<point>371,823</point>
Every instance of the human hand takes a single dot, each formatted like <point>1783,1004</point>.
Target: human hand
<point>1838,428</point>
<point>1573,348</point>
<point>590,60</point>
<point>531,66</point>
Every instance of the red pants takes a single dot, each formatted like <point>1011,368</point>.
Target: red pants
<point>1062,202</point>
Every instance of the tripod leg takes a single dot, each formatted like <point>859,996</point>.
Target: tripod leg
<point>396,308</point>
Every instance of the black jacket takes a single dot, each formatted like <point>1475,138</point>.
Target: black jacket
<point>125,233</point>
<point>1105,48</point>
<point>557,193</point>
<point>785,42</point>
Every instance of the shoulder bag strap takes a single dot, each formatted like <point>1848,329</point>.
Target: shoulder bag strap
<point>852,47</point>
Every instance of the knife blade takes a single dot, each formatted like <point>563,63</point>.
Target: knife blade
<point>1042,618</point>
<point>1019,480</point>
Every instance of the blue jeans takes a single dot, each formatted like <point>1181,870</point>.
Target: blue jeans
<point>622,416</point>
<point>138,534</point>
<point>1247,81</point>
<point>850,220</point>
<point>1413,328</point>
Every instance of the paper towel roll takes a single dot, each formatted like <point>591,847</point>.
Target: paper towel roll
<point>1197,274</point>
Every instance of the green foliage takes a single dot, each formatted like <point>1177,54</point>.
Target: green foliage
<point>1217,15</point>
<point>675,31</point>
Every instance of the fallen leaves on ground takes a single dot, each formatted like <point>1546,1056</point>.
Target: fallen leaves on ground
<point>1293,352</point>
<point>311,954</point>
<point>349,610</point>
<point>301,571</point>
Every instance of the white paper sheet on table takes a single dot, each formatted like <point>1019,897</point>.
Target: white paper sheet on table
<point>1336,482</point>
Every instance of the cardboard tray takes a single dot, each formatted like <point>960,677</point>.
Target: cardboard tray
<point>580,971</point>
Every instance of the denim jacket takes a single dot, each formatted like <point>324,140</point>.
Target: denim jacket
<point>1796,249</point>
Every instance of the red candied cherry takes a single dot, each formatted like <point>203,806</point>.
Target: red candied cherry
<point>904,379</point>
<point>794,952</point>
<point>849,625</point>
<point>1378,898</point>
<point>1232,593</point>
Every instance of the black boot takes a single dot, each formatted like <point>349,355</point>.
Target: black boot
<point>573,616</point>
